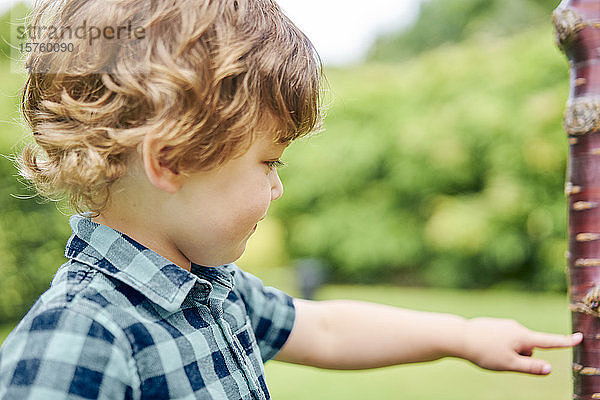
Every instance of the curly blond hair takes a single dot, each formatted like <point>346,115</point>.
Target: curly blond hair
<point>201,76</point>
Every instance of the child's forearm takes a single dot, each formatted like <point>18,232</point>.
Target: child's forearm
<point>347,334</point>
<point>395,335</point>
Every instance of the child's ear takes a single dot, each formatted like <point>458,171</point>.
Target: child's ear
<point>159,175</point>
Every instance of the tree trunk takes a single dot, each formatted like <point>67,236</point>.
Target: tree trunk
<point>577,24</point>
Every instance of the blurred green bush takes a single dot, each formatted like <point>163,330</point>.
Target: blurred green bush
<point>453,21</point>
<point>32,231</point>
<point>445,170</point>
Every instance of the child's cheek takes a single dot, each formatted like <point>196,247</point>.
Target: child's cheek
<point>254,202</point>
<point>250,215</point>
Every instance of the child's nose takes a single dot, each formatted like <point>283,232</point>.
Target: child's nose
<point>276,188</point>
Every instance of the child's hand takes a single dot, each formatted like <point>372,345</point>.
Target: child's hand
<point>506,345</point>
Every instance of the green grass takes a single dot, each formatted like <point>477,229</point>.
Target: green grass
<point>450,379</point>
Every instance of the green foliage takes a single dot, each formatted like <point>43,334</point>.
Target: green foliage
<point>32,232</point>
<point>10,22</point>
<point>452,21</point>
<point>447,170</point>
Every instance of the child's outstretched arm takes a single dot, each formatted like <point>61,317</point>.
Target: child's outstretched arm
<point>346,334</point>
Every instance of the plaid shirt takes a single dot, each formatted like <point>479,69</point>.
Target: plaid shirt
<point>121,322</point>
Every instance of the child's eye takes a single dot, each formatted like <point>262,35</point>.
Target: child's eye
<point>275,164</point>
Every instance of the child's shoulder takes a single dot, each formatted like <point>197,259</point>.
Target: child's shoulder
<point>65,345</point>
<point>73,303</point>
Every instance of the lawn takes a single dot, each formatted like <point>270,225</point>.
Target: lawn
<point>450,379</point>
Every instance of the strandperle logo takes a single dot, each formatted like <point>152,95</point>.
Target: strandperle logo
<point>91,33</point>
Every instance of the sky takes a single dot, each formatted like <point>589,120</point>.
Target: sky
<point>341,30</point>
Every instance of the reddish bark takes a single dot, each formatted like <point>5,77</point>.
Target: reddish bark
<point>577,25</point>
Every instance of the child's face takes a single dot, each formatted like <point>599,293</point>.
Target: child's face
<point>217,211</point>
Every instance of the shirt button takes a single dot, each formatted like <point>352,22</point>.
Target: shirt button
<point>201,291</point>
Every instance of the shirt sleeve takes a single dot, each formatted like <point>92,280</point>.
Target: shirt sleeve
<point>62,354</point>
<point>271,311</point>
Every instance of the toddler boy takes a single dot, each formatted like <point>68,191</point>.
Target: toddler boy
<point>167,142</point>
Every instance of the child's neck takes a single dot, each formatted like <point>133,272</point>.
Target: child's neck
<point>140,233</point>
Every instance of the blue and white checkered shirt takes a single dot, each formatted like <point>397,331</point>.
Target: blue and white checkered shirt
<point>121,322</point>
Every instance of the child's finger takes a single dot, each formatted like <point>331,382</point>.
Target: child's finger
<point>530,365</point>
<point>549,340</point>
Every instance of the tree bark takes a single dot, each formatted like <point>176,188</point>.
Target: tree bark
<point>577,24</point>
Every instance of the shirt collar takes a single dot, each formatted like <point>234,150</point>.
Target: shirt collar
<point>121,257</point>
